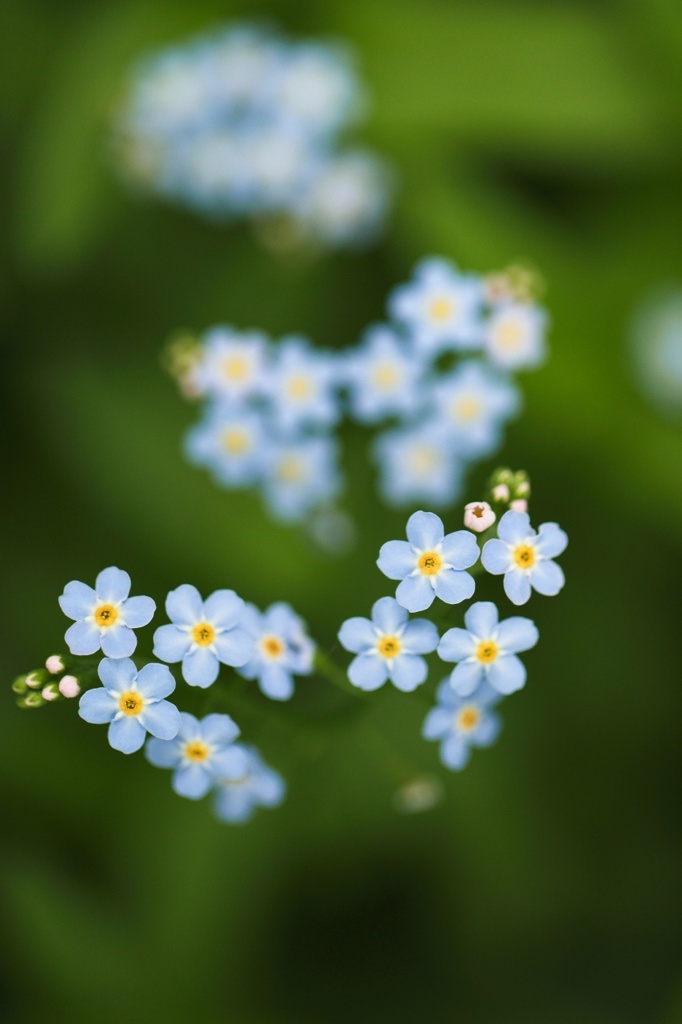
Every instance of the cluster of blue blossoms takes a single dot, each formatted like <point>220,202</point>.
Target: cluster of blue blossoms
<point>242,123</point>
<point>272,407</point>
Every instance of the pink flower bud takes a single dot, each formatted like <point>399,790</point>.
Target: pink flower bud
<point>54,664</point>
<point>49,692</point>
<point>520,505</point>
<point>69,686</point>
<point>501,492</point>
<point>478,516</point>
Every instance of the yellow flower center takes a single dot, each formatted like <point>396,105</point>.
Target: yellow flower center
<point>509,334</point>
<point>203,634</point>
<point>467,718</point>
<point>272,647</point>
<point>385,376</point>
<point>430,563</point>
<point>196,751</point>
<point>487,651</point>
<point>290,470</point>
<point>440,309</point>
<point>422,461</point>
<point>467,409</point>
<point>105,615</point>
<point>299,388</point>
<point>389,647</point>
<point>235,368</point>
<point>235,440</point>
<point>131,703</point>
<point>524,556</point>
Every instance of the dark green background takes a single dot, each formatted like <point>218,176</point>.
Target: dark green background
<point>545,887</point>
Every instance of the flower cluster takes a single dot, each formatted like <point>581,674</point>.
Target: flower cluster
<point>272,407</point>
<point>242,123</point>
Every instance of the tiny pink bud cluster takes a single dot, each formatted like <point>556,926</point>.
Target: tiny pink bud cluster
<point>478,516</point>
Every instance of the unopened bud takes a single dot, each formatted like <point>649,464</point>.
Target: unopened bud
<point>519,505</point>
<point>36,679</point>
<point>49,692</point>
<point>19,685</point>
<point>501,493</point>
<point>478,516</point>
<point>31,700</point>
<point>69,686</point>
<point>54,665</point>
<point>523,489</point>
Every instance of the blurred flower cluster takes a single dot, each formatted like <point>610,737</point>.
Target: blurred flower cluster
<point>656,344</point>
<point>243,123</point>
<point>436,377</point>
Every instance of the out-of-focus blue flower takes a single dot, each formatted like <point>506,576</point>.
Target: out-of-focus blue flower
<point>203,634</point>
<point>233,364</point>
<point>461,723</point>
<point>486,650</point>
<point>475,403</point>
<point>106,616</point>
<point>201,752</point>
<point>388,647</point>
<point>384,377</point>
<point>418,464</point>
<point>132,702</point>
<point>282,649</point>
<point>317,89</point>
<point>514,337</point>
<point>300,475</point>
<point>429,564</point>
<point>525,557</point>
<point>301,386</point>
<point>231,443</point>
<point>441,307</point>
<point>259,786</point>
<point>656,344</point>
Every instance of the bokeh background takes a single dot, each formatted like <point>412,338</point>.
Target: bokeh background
<point>545,885</point>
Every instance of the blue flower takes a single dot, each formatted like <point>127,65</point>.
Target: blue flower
<point>282,649</point>
<point>301,386</point>
<point>383,376</point>
<point>203,634</point>
<point>258,786</point>
<point>388,647</point>
<point>233,363</point>
<point>486,650</point>
<point>418,464</point>
<point>525,557</point>
<point>515,336</point>
<point>201,752</point>
<point>301,474</point>
<point>475,403</point>
<point>132,702</point>
<point>430,564</point>
<point>106,616</point>
<point>230,442</point>
<point>461,723</point>
<point>441,307</point>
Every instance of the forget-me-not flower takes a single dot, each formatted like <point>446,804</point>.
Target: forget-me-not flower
<point>301,386</point>
<point>258,786</point>
<point>418,464</point>
<point>132,702</point>
<point>203,634</point>
<point>233,364</point>
<point>384,377</point>
<point>461,723</point>
<point>441,307</point>
<point>475,403</point>
<point>486,650</point>
<point>525,557</point>
<point>430,564</point>
<point>202,751</point>
<point>388,647</point>
<point>106,616</point>
<point>230,442</point>
<point>300,474</point>
<point>514,336</point>
<point>282,649</point>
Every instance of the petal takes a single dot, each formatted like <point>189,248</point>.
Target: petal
<point>138,611</point>
<point>481,619</point>
<point>163,753</point>
<point>514,527</point>
<point>233,804</point>
<point>551,540</point>
<point>170,643</point>
<point>396,559</point>
<point>460,549</point>
<point>388,615</point>
<point>200,667</point>
<point>271,787</point>
<point>190,728</point>
<point>117,674</point>
<point>455,753</point>
<point>78,600</point>
<point>487,731</point>
<point>219,729</point>
<point>517,634</point>
<point>437,723</point>
<point>425,530</point>
<point>97,706</point>
<point>416,593</point>
<point>420,637</point>
<point>126,734</point>
<point>408,672</point>
<point>234,647</point>
<point>192,781</point>
<point>454,587</point>
<point>466,677</point>
<point>517,586</point>
<point>118,641</point>
<point>507,674</point>
<point>162,719</point>
<point>224,609</point>
<point>547,578</point>
<point>112,585</point>
<point>82,638</point>
<point>184,605</point>
<point>456,645</point>
<point>357,634</point>
<point>367,672</point>
<point>232,763</point>
<point>155,681</point>
<point>496,557</point>
<point>276,682</point>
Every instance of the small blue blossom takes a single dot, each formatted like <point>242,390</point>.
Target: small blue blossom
<point>515,336</point>
<point>475,403</point>
<point>384,377</point>
<point>132,702</point>
<point>461,723</point>
<point>232,364</point>
<point>418,464</point>
<point>230,442</point>
<point>282,649</point>
<point>300,475</point>
<point>301,386</point>
<point>258,786</point>
<point>388,647</point>
<point>525,557</point>
<point>203,634</point>
<point>106,616</point>
<point>430,564</point>
<point>202,751</point>
<point>486,650</point>
<point>441,307</point>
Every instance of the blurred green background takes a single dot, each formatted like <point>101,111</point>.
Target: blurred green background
<point>545,887</point>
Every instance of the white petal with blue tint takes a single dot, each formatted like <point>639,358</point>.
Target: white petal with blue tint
<point>460,549</point>
<point>184,605</point>
<point>218,728</point>
<point>456,645</point>
<point>437,723</point>
<point>425,530</point>
<point>192,781</point>
<point>138,611</point>
<point>126,734</point>
<point>112,585</point>
<point>234,647</point>
<point>276,682</point>
<point>97,706</point>
<point>496,557</point>
<point>454,587</point>
<point>396,559</point>
<point>408,672</point>
<point>170,643</point>
<point>161,719</point>
<point>514,527</point>
<point>200,667</point>
<point>163,753</point>
<point>551,540</point>
<point>117,674</point>
<point>82,638</point>
<point>416,593</point>
<point>507,674</point>
<point>155,681</point>
<point>388,615</point>
<point>517,634</point>
<point>517,586</point>
<point>223,609</point>
<point>118,641</point>
<point>455,753</point>
<point>547,578</point>
<point>78,600</point>
<point>466,677</point>
<point>368,672</point>
<point>481,619</point>
<point>357,635</point>
<point>420,637</point>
